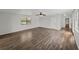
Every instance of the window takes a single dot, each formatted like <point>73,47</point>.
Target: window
<point>25,20</point>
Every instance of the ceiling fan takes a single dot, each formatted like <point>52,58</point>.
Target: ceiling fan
<point>40,14</point>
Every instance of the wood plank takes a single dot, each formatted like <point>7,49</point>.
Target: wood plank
<point>38,39</point>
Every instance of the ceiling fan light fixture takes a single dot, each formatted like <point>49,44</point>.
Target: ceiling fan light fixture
<point>41,14</point>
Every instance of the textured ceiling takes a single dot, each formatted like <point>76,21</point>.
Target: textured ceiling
<point>36,11</point>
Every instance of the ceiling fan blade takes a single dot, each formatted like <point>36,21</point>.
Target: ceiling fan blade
<point>40,14</point>
<point>37,14</point>
<point>44,14</point>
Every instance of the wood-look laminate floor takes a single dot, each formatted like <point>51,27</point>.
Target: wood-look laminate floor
<point>38,39</point>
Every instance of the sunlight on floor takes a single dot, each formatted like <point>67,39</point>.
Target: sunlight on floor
<point>26,36</point>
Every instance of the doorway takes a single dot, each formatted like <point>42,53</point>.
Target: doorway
<point>67,24</point>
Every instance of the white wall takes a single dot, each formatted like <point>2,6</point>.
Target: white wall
<point>5,23</point>
<point>75,21</point>
<point>16,26</point>
<point>44,21</point>
<point>11,23</point>
<point>52,21</point>
<point>76,34</point>
<point>62,17</point>
<point>56,22</point>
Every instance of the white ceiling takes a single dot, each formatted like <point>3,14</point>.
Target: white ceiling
<point>36,11</point>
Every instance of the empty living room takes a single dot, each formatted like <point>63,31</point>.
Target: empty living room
<point>39,29</point>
